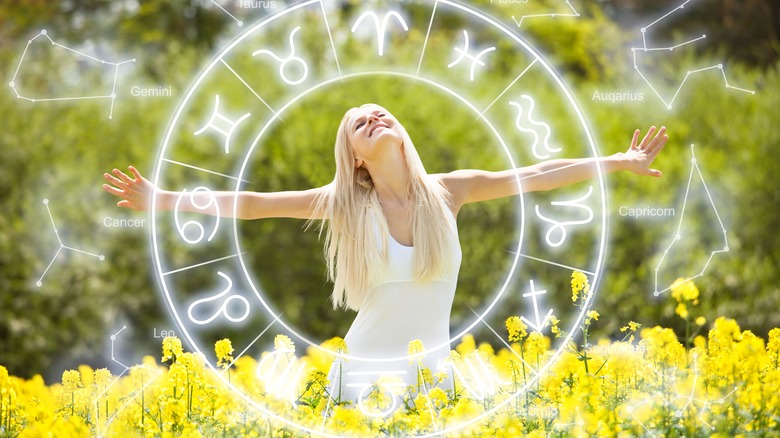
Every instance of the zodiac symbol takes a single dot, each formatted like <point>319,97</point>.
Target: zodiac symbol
<point>224,308</point>
<point>539,126</point>
<point>539,324</point>
<point>479,380</point>
<point>381,29</point>
<point>281,383</point>
<point>464,54</point>
<point>201,232</point>
<point>227,133</point>
<point>284,62</point>
<point>393,388</point>
<point>561,226</point>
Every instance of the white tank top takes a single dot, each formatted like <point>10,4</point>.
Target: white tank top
<point>396,311</point>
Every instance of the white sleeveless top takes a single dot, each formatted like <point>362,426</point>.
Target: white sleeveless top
<point>396,311</point>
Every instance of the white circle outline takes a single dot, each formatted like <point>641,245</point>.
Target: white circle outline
<point>277,115</point>
<point>500,27</point>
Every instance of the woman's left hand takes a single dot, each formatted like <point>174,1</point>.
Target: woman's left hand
<point>640,156</point>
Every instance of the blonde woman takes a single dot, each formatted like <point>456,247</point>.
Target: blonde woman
<point>391,241</point>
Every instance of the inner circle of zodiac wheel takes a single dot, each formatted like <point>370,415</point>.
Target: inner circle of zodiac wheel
<point>274,73</point>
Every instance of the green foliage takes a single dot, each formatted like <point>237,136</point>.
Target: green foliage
<point>59,151</point>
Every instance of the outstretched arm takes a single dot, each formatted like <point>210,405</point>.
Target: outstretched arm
<point>137,194</point>
<point>470,185</point>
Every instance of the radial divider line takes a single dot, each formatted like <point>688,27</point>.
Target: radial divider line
<point>246,85</point>
<point>205,170</point>
<point>427,34</point>
<point>509,86</point>
<point>330,36</point>
<point>509,347</point>
<point>253,342</point>
<point>200,264</point>
<point>114,415</point>
<point>554,263</point>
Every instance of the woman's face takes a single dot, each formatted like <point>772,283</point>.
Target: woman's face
<point>373,133</point>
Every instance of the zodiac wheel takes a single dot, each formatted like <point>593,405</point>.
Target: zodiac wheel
<point>217,136</point>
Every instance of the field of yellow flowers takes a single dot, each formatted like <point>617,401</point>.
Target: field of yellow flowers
<point>646,384</point>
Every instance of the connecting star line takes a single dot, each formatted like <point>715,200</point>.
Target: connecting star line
<point>129,398</point>
<point>111,96</point>
<point>573,13</point>
<point>637,51</point>
<point>678,236</point>
<point>101,257</point>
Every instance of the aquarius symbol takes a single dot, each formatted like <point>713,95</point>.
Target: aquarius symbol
<point>464,54</point>
<point>560,227</point>
<point>539,126</point>
<point>224,308</point>
<point>217,116</point>
<point>284,62</point>
<point>381,29</point>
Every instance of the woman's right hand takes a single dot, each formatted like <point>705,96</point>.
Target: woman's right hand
<point>136,193</point>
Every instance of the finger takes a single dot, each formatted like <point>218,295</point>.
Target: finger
<point>657,144</point>
<point>136,173</point>
<point>124,204</point>
<point>114,191</point>
<point>123,177</point>
<point>114,181</point>
<point>647,137</point>
<point>635,139</point>
<point>656,173</point>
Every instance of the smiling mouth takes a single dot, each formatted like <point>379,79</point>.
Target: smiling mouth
<point>374,129</point>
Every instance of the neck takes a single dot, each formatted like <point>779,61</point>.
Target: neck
<point>391,181</point>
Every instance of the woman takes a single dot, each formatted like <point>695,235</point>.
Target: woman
<point>391,243</point>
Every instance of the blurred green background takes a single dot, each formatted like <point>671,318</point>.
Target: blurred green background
<point>59,150</point>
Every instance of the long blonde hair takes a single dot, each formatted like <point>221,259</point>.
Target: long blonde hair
<point>355,259</point>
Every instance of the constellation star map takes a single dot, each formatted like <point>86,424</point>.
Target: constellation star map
<point>695,170</point>
<point>645,49</point>
<point>112,96</point>
<point>62,247</point>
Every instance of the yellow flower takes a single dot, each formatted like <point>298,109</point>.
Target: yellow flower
<point>336,345</point>
<point>773,347</point>
<point>516,329</point>
<point>102,377</point>
<point>591,316</point>
<point>579,284</point>
<point>71,380</point>
<point>224,350</point>
<point>415,351</point>
<point>700,321</point>
<point>283,343</point>
<point>685,290</point>
<point>681,310</point>
<point>536,344</point>
<point>554,321</point>
<point>171,348</point>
